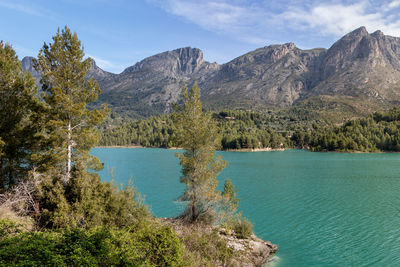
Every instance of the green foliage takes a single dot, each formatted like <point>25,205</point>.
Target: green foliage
<point>243,228</point>
<point>70,124</point>
<point>20,122</point>
<point>231,219</point>
<point>379,132</point>
<point>239,130</point>
<point>247,130</point>
<point>151,132</point>
<point>205,248</point>
<point>229,205</point>
<point>196,132</point>
<point>46,168</point>
<point>161,246</point>
<point>230,193</point>
<point>87,202</point>
<point>9,227</point>
<point>148,246</point>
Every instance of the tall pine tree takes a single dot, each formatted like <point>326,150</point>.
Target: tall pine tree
<point>197,133</point>
<point>71,125</point>
<point>19,121</point>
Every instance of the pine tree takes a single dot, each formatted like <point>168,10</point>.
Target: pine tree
<point>19,121</point>
<point>230,195</point>
<point>197,133</point>
<point>71,125</point>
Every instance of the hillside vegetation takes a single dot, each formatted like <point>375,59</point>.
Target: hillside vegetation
<point>293,128</point>
<point>240,129</point>
<point>378,132</point>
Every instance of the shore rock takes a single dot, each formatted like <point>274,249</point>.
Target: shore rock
<point>253,251</point>
<point>250,252</point>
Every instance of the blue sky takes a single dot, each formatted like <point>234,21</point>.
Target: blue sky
<point>118,33</point>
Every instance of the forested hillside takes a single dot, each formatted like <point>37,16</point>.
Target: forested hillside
<point>377,132</point>
<point>240,130</point>
<point>250,130</point>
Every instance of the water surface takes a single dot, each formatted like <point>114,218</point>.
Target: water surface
<point>321,209</point>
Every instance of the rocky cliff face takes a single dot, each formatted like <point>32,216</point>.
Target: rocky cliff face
<point>98,73</point>
<point>27,64</point>
<point>362,67</point>
<point>181,62</point>
<point>274,76</point>
<point>153,84</point>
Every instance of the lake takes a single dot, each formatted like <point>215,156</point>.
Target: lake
<point>321,209</point>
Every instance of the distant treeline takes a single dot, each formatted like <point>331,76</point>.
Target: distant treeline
<point>378,132</point>
<point>239,129</point>
<point>242,129</point>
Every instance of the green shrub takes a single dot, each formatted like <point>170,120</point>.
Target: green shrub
<point>205,249</point>
<point>243,228</point>
<point>8,215</point>
<point>151,245</point>
<point>87,202</point>
<point>8,227</point>
<point>31,249</point>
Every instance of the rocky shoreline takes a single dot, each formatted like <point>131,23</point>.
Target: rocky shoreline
<point>253,251</point>
<point>249,252</point>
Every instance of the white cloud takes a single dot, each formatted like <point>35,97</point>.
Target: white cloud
<point>339,19</point>
<point>227,17</point>
<point>260,22</point>
<point>393,4</point>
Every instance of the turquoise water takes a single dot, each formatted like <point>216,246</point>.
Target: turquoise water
<point>321,209</point>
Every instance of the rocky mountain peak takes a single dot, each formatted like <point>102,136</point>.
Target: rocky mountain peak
<point>266,55</point>
<point>350,40</point>
<point>176,63</point>
<point>93,64</point>
<point>344,51</point>
<point>377,34</point>
<point>290,45</point>
<point>96,72</point>
<point>27,65</point>
<point>359,66</point>
<point>280,51</point>
<point>361,31</point>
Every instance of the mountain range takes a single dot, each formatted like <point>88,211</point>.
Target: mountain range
<point>358,74</point>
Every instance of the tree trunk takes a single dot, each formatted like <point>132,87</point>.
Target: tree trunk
<point>2,180</point>
<point>194,180</point>
<point>194,215</point>
<point>69,156</point>
<point>10,173</point>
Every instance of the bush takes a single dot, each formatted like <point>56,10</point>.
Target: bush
<point>9,227</point>
<point>203,248</point>
<point>243,228</point>
<point>148,246</point>
<point>13,222</point>
<point>30,249</point>
<point>87,202</point>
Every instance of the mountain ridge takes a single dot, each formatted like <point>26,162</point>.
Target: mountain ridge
<point>360,70</point>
